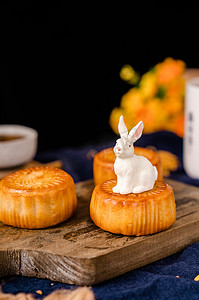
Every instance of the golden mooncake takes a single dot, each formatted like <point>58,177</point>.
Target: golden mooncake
<point>37,197</point>
<point>103,164</point>
<point>133,214</point>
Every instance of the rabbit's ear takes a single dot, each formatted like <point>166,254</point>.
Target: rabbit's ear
<point>122,127</point>
<point>136,131</point>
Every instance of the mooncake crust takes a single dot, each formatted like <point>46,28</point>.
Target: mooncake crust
<point>133,214</point>
<point>36,180</point>
<point>103,163</point>
<point>37,197</point>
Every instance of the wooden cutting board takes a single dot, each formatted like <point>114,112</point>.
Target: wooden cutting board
<point>78,252</point>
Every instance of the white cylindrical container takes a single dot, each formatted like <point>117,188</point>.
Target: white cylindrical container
<point>191,135</point>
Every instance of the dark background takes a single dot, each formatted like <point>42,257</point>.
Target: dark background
<point>60,65</point>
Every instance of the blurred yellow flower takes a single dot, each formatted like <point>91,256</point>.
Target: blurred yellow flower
<point>157,100</point>
<point>147,115</point>
<point>148,84</point>
<point>153,115</point>
<point>168,70</point>
<point>114,118</point>
<point>179,125</point>
<point>176,88</point>
<point>128,74</point>
<point>173,106</point>
<point>132,101</point>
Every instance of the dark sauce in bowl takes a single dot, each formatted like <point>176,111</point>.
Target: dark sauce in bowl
<point>6,138</point>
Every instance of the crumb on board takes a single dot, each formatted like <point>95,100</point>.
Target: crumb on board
<point>177,276</point>
<point>39,292</point>
<point>196,278</point>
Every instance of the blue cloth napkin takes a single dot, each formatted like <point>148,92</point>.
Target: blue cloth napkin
<point>169,278</point>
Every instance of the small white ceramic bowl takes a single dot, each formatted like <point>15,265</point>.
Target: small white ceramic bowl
<point>18,151</point>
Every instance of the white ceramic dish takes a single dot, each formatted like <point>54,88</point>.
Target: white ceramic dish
<point>17,151</point>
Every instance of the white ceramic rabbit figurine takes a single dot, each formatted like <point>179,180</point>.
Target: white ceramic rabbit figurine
<point>135,174</point>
